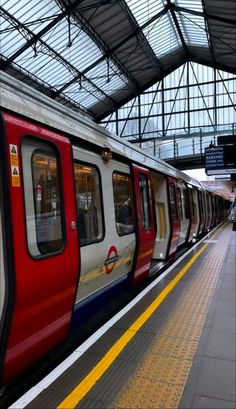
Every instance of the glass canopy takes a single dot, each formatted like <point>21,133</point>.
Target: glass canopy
<point>97,55</point>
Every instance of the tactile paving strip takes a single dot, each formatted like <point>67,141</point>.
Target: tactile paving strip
<point>149,394</point>
<point>160,379</point>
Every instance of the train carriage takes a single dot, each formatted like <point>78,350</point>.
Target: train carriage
<point>82,213</point>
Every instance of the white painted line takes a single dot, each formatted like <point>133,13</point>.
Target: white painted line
<point>63,366</point>
<point>211,241</point>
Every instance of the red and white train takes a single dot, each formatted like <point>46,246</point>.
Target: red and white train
<point>82,214</point>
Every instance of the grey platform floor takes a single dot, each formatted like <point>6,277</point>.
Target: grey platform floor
<point>211,382</point>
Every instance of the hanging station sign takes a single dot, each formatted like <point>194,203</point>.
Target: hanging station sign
<point>220,160</point>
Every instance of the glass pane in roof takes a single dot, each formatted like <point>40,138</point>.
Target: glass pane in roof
<point>145,10</point>
<point>11,40</point>
<point>192,26</point>
<point>36,13</point>
<point>85,95</point>
<point>45,67</point>
<point>82,50</point>
<point>193,29</point>
<point>107,77</point>
<point>190,4</point>
<point>165,30</point>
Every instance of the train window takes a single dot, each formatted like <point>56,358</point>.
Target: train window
<point>173,202</point>
<point>186,204</point>
<point>42,192</point>
<point>192,206</point>
<point>143,185</point>
<point>200,203</point>
<point>180,203</point>
<point>123,202</point>
<point>208,203</point>
<point>88,203</point>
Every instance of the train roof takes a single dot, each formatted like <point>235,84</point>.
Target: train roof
<point>19,98</point>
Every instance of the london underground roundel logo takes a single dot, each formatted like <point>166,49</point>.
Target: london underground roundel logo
<point>112,257</point>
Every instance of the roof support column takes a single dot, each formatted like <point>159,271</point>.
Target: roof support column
<point>163,107</point>
<point>215,101</point>
<point>188,98</point>
<point>117,125</point>
<point>139,121</point>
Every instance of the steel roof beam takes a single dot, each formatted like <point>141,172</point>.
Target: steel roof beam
<point>36,37</point>
<point>109,53</point>
<point>201,14</point>
<point>208,32</point>
<point>175,65</point>
<point>147,48</point>
<point>178,27</point>
<point>219,66</point>
<point>61,59</point>
<point>106,51</point>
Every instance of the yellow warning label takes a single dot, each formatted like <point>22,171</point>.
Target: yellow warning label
<point>14,155</point>
<point>15,176</point>
<point>14,161</point>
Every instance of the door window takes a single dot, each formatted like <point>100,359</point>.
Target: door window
<point>42,191</point>
<point>123,202</point>
<point>143,186</point>
<point>180,203</point>
<point>88,203</point>
<point>186,202</point>
<point>173,206</point>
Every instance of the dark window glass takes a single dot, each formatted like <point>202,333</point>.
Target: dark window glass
<point>208,203</point>
<point>200,203</point>
<point>47,202</point>
<point>191,204</point>
<point>145,209</point>
<point>173,202</point>
<point>186,204</point>
<point>88,203</point>
<point>123,202</point>
<point>180,203</point>
<point>42,194</point>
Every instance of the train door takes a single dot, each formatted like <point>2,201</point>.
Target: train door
<point>44,247</point>
<point>183,213</point>
<point>146,229</point>
<point>105,219</point>
<point>163,231</point>
<point>174,216</point>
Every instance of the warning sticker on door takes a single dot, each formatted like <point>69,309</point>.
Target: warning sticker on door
<point>14,155</point>
<point>15,176</point>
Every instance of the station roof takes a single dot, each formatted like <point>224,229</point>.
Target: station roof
<point>96,55</point>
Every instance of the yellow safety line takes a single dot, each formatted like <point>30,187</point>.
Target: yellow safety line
<point>81,390</point>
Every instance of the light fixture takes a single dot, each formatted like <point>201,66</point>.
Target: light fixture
<point>106,154</point>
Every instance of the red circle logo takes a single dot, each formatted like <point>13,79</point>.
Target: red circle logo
<point>112,257</point>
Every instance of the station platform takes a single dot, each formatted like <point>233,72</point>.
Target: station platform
<point>172,347</point>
